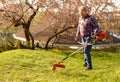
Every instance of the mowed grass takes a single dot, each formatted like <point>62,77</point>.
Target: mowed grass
<point>35,66</point>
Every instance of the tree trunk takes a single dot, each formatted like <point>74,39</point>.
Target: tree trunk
<point>32,38</point>
<point>27,36</point>
<point>50,38</point>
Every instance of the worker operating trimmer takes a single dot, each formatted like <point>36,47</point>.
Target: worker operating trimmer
<point>100,37</point>
<point>88,30</point>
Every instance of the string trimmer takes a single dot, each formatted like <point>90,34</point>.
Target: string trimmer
<point>58,64</point>
<point>101,35</point>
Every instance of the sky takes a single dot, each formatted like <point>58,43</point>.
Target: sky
<point>117,2</point>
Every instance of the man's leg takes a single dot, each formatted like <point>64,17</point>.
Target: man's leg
<point>87,55</point>
<point>86,51</point>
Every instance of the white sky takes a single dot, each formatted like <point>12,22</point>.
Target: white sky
<point>117,2</point>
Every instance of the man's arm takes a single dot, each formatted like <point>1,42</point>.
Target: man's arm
<point>77,33</point>
<point>95,25</point>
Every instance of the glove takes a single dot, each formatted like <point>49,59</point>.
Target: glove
<point>93,36</point>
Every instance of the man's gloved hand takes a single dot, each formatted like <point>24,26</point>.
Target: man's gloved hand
<point>93,36</point>
<point>86,44</point>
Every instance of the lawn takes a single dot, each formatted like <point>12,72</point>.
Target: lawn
<point>24,65</point>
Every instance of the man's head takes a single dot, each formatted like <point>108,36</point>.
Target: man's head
<point>83,11</point>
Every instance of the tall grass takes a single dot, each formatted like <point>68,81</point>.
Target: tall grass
<point>35,66</point>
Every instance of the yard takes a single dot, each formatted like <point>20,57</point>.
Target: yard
<point>24,65</point>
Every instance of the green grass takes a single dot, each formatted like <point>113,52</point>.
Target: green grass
<point>35,66</point>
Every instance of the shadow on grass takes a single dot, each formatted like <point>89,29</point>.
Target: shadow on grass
<point>78,74</point>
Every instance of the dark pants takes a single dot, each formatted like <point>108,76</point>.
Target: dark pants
<point>86,51</point>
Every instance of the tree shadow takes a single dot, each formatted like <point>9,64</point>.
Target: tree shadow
<point>74,75</point>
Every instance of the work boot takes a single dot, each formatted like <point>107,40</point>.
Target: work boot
<point>85,65</point>
<point>88,68</point>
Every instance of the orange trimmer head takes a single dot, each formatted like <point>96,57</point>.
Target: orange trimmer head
<point>54,65</point>
<point>58,64</point>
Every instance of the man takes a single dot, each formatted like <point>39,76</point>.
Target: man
<point>87,29</point>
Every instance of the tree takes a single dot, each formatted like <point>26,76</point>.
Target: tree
<point>20,13</point>
<point>65,13</point>
<point>60,14</point>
